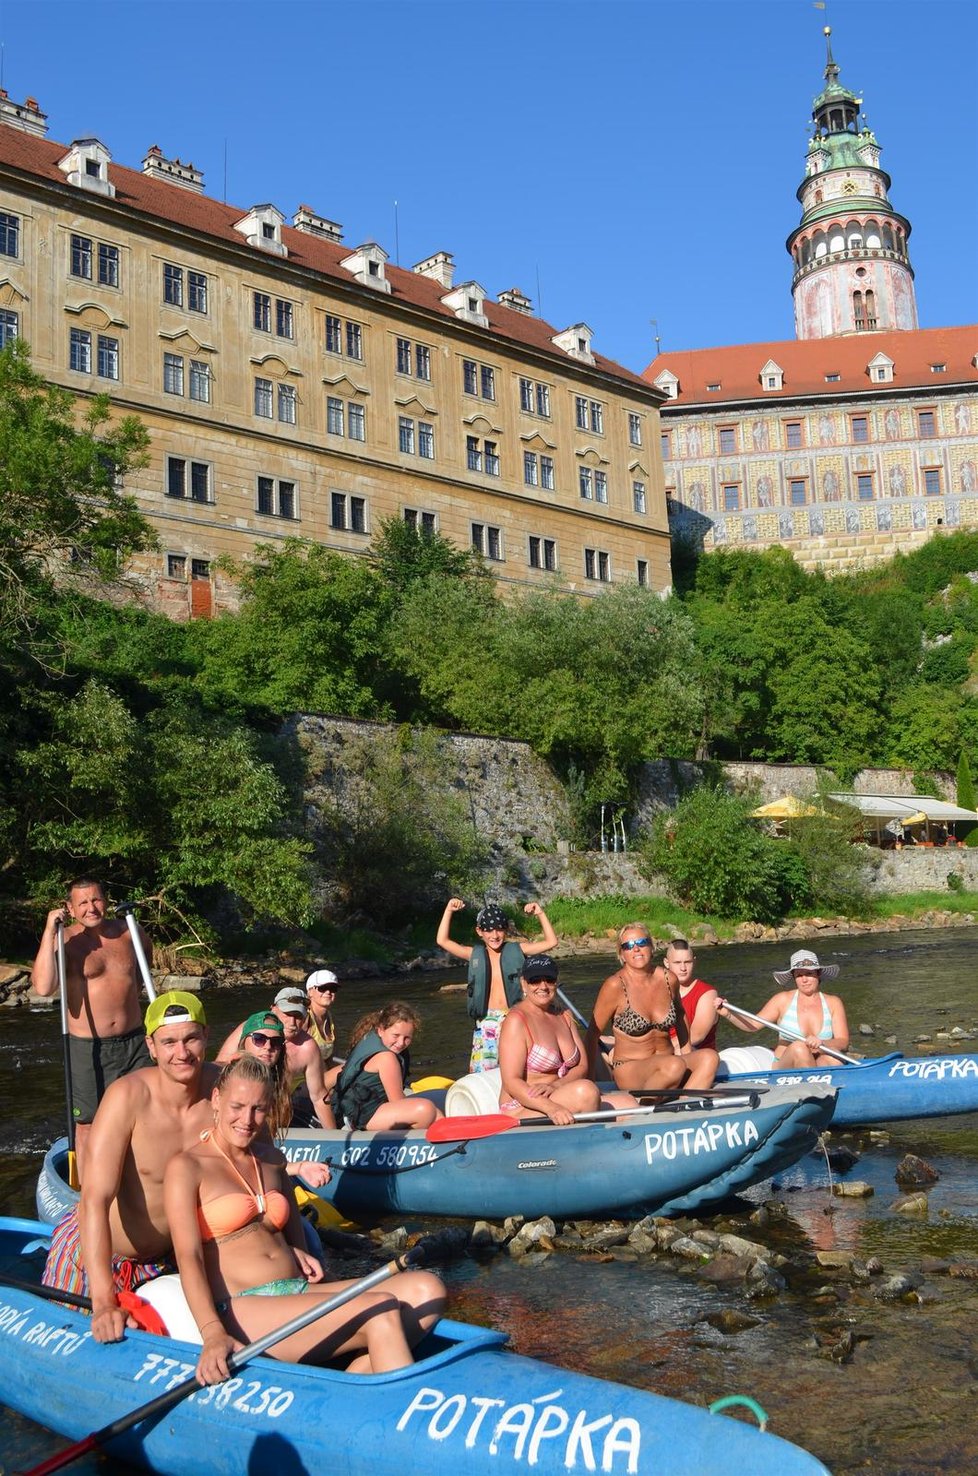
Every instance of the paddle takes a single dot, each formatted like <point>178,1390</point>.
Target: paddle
<point>785,1031</point>
<point>59,959</point>
<point>568,1005</point>
<point>412,1258</point>
<point>488,1124</point>
<point>141,1311</point>
<point>126,910</point>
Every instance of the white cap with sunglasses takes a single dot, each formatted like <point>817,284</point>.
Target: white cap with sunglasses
<point>322,979</point>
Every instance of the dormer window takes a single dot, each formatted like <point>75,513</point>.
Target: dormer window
<point>938,368</point>
<point>713,389</point>
<point>667,382</point>
<point>86,165</point>
<point>576,342</point>
<point>880,369</point>
<point>262,227</point>
<point>468,303</point>
<point>772,376</point>
<point>368,266</point>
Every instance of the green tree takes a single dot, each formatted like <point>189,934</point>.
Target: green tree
<point>966,798</point>
<point>403,554</point>
<point>61,497</point>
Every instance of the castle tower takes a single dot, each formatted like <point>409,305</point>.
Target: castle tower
<point>852,272</point>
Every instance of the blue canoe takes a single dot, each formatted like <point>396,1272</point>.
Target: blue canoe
<point>885,1089</point>
<point>666,1161</point>
<point>468,1405</point>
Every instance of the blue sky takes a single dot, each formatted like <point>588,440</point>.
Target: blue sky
<point>621,161</point>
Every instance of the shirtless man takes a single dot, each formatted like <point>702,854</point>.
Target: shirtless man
<point>118,1236</point>
<point>105,1027</point>
<point>302,1057</point>
<point>699,999</point>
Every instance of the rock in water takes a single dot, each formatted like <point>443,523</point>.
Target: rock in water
<point>913,1172</point>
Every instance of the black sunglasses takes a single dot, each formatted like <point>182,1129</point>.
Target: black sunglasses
<point>261,1039</point>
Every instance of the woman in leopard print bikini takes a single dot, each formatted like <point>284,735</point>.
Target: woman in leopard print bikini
<point>641,1003</point>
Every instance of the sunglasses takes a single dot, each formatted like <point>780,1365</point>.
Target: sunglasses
<point>261,1039</point>
<point>323,988</point>
<point>634,943</point>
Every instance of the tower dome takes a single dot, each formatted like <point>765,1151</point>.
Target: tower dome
<point>852,272</point>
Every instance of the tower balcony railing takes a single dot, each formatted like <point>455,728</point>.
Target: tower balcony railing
<point>851,253</point>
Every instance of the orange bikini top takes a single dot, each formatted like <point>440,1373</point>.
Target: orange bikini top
<point>230,1212</point>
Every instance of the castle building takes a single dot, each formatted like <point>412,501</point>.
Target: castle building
<point>295,386</point>
<point>857,439</point>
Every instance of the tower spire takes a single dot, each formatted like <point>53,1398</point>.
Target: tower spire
<point>852,272</point>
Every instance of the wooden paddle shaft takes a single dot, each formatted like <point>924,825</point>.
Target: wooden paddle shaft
<point>787,1032</point>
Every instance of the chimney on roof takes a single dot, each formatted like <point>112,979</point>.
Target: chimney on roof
<point>306,219</point>
<point>516,300</point>
<point>155,166</point>
<point>26,116</point>
<point>439,268</point>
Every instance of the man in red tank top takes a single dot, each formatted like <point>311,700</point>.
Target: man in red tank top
<point>699,998</point>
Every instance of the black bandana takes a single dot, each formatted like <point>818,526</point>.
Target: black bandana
<point>491,917</point>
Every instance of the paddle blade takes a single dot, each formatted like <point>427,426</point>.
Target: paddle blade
<point>454,1129</point>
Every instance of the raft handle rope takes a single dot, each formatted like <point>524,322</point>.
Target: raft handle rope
<point>734,1401</point>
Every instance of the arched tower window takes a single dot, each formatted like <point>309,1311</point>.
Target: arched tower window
<point>887,238</point>
<point>870,309</point>
<point>857,310</point>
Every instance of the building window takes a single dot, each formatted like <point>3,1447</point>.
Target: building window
<point>197,292</point>
<point>482,456</point>
<point>664,446</point>
<point>535,398</point>
<point>478,379</point>
<point>354,341</point>
<point>287,404</point>
<point>176,566</point>
<point>413,358</point>
<point>797,491</point>
<point>9,234</point>
<point>832,378</point>
<point>589,414</point>
<point>108,265</point>
<point>488,541</point>
<point>404,359</point>
<point>405,435</point>
<point>172,374</point>
<point>542,553</point>
<point>283,318</point>
<point>731,497</point>
<point>859,427</point>
<point>80,351</point>
<point>531,469</point>
<point>642,572</point>
<point>9,327</point>
<point>597,565</point>
<point>600,486</point>
<point>713,388</point>
<point>638,497</point>
<point>347,514</point>
<point>172,285</point>
<point>200,381</point>
<point>188,479</point>
<point>334,415</point>
<point>793,438</point>
<point>425,523</point>
<point>81,257</point>
<point>926,424</point>
<point>334,334</point>
<point>881,373</point>
<point>864,486</point>
<point>932,481</point>
<point>586,483</point>
<point>727,439</point>
<point>200,568</point>
<point>107,364</point>
<point>264,400</point>
<point>426,440</point>
<point>634,429</point>
<point>357,421</point>
<point>938,368</point>
<point>262,312</point>
<point>275,498</point>
<point>547,473</point>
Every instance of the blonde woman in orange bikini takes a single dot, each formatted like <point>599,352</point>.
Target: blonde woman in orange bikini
<point>641,1003</point>
<point>542,1060</point>
<point>239,1246</point>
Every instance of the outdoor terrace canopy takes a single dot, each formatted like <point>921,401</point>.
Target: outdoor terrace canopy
<point>905,806</point>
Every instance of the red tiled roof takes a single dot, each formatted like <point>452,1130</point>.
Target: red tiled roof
<point>194,212</point>
<point>737,368</point>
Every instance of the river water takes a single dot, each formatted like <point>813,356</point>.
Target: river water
<point>901,1402</point>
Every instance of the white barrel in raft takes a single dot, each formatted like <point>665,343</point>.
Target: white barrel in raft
<point>747,1058</point>
<point>473,1095</point>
